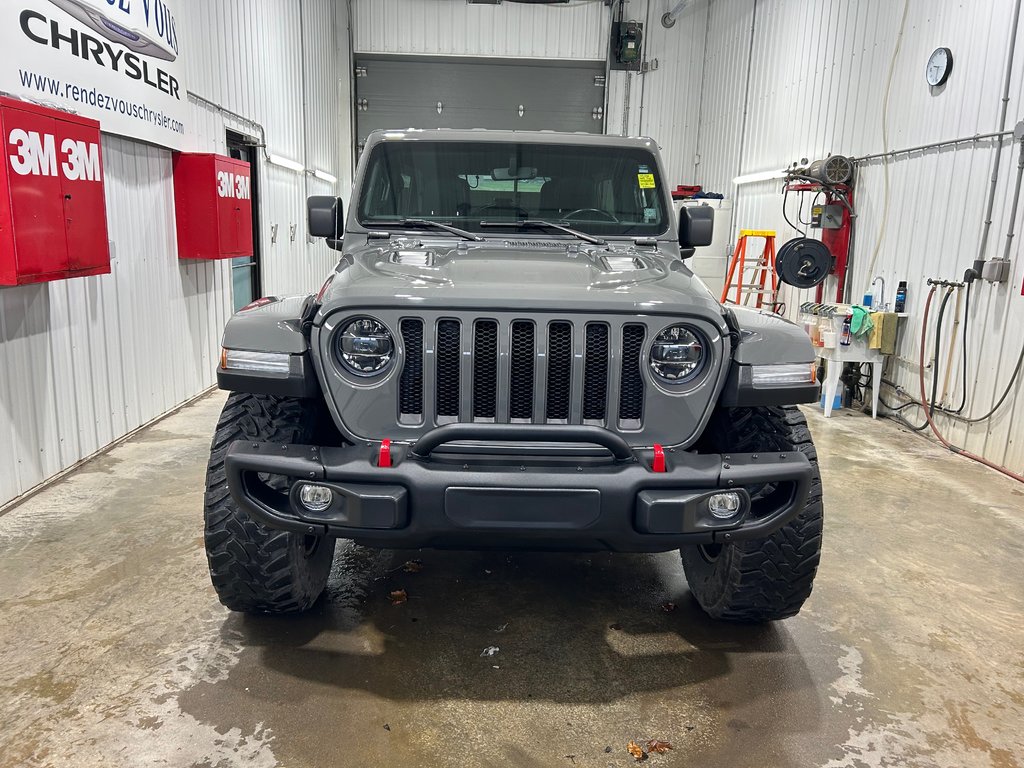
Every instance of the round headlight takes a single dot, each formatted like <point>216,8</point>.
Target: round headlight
<point>365,346</point>
<point>677,354</point>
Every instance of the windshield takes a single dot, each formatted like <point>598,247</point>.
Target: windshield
<point>594,189</point>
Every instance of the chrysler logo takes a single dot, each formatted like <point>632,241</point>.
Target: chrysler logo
<point>144,26</point>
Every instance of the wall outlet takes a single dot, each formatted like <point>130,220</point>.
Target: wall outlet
<point>996,271</point>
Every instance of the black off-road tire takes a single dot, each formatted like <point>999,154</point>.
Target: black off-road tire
<point>256,569</point>
<point>763,579</point>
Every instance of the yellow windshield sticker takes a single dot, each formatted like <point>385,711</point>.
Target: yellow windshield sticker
<point>645,180</point>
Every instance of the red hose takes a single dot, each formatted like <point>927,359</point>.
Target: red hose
<point>927,410</point>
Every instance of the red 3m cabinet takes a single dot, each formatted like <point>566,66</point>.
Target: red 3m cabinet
<point>213,206</point>
<point>53,215</point>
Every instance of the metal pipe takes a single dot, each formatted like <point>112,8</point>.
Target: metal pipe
<point>746,91</point>
<point>607,72</point>
<point>353,150</point>
<point>305,110</point>
<point>668,20</point>
<point>934,145</point>
<point>700,101</point>
<point>625,105</point>
<point>643,72</point>
<point>202,100</point>
<point>982,246</point>
<point>1016,201</point>
<point>952,346</point>
<point>881,296</point>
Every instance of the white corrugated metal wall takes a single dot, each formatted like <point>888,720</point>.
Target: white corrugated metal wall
<point>454,28</point>
<point>85,361</point>
<point>817,82</point>
<point>664,101</point>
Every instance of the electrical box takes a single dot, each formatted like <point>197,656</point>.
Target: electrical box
<point>53,215</point>
<point>627,44</point>
<point>213,206</point>
<point>827,216</point>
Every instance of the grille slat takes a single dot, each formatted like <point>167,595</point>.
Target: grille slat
<point>485,369</point>
<point>595,373</point>
<point>631,383</point>
<point>559,371</point>
<point>523,355</point>
<point>410,385</point>
<point>449,339</point>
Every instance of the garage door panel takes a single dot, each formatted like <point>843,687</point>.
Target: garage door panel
<point>405,93</point>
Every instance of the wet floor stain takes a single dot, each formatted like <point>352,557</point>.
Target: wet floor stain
<point>116,652</point>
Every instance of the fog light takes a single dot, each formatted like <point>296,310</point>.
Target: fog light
<point>316,498</point>
<point>724,505</point>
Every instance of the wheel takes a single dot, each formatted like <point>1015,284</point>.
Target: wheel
<point>764,579</point>
<point>254,568</point>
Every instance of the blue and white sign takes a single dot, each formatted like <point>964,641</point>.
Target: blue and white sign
<point>116,61</point>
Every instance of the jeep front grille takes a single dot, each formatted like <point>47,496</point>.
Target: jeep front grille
<point>485,369</point>
<point>411,386</point>
<point>631,386</point>
<point>559,371</point>
<point>448,386</point>
<point>595,373</point>
<point>522,359</point>
<point>515,370</point>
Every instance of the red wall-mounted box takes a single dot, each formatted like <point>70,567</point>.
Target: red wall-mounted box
<point>213,204</point>
<point>53,215</point>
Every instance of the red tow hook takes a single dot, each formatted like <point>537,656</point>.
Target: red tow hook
<point>384,457</point>
<point>658,465</point>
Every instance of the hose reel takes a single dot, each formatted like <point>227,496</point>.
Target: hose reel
<point>803,262</point>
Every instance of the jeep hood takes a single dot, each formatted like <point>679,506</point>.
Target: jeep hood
<point>526,276</point>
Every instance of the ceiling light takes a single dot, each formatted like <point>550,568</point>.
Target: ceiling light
<point>325,176</point>
<point>750,178</point>
<point>284,162</point>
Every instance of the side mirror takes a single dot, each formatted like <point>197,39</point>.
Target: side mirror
<point>696,225</point>
<point>325,216</point>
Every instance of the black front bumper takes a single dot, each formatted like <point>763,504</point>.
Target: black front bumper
<point>476,496</point>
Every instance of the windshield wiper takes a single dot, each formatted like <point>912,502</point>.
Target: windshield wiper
<point>426,223</point>
<point>540,224</point>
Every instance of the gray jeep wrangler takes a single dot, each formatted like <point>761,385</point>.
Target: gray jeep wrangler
<point>512,353</point>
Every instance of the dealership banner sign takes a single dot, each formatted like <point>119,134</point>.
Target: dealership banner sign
<point>116,61</point>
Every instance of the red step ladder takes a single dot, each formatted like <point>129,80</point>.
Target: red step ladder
<point>761,283</point>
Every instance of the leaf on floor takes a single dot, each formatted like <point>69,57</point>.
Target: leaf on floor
<point>668,607</point>
<point>413,566</point>
<point>636,751</point>
<point>399,596</point>
<point>658,746</point>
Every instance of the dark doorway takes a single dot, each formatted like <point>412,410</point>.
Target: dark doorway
<point>246,281</point>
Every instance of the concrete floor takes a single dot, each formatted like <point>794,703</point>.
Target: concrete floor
<point>115,651</point>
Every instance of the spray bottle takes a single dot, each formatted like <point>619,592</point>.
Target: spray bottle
<point>901,297</point>
<point>846,336</point>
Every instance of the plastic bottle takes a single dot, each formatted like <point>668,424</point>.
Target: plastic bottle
<point>844,339</point>
<point>901,297</point>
